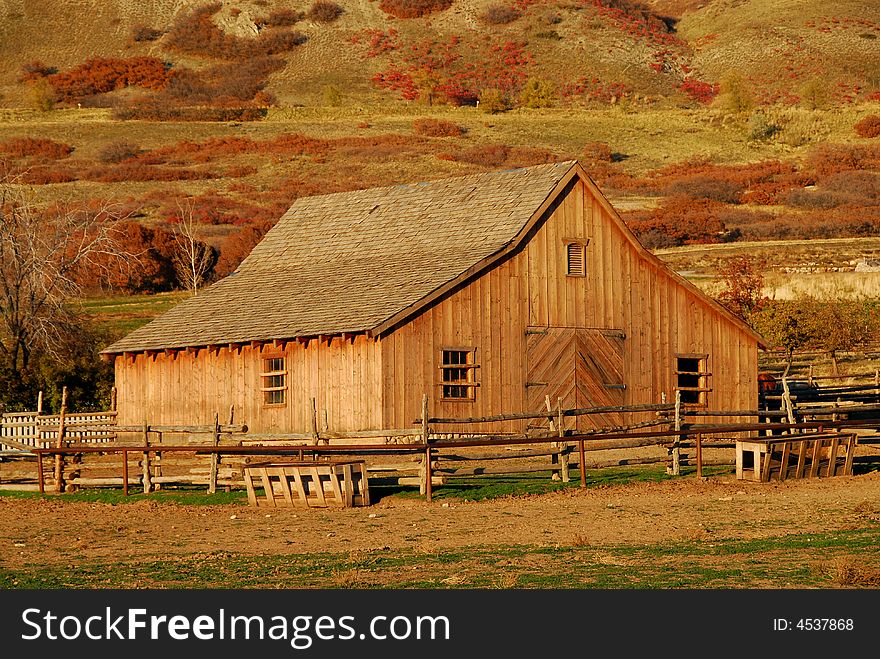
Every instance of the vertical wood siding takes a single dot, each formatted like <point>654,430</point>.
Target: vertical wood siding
<point>343,376</point>
<point>366,383</point>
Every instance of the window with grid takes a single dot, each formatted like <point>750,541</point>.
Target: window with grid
<point>274,381</point>
<point>457,374</point>
<point>576,259</point>
<point>692,378</point>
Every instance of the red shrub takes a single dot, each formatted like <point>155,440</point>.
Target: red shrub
<point>195,33</point>
<point>868,127</point>
<point>99,75</point>
<point>150,268</point>
<point>160,113</point>
<point>682,220</point>
<point>702,92</point>
<point>413,8</point>
<point>238,245</point>
<point>280,18</point>
<point>35,70</point>
<point>500,15</point>
<point>20,147</point>
<point>140,33</point>
<point>435,128</point>
<point>325,11</point>
<point>828,159</point>
<point>705,187</point>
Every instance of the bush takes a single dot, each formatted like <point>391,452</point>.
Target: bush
<point>159,113</point>
<point>99,75</point>
<point>20,147</point>
<point>868,127</point>
<point>760,129</point>
<point>705,187</point>
<point>280,18</point>
<point>413,8</point>
<point>735,94</point>
<point>117,151</point>
<point>500,15</point>
<point>493,101</point>
<point>324,11</point>
<point>238,245</point>
<point>35,70</point>
<point>195,33</point>
<point>140,33</point>
<point>537,93</point>
<point>435,128</point>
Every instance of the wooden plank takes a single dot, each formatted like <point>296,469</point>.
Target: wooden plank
<point>783,463</point>
<point>317,486</point>
<point>249,486</point>
<point>765,467</point>
<point>832,458</point>
<point>281,474</point>
<point>348,486</point>
<point>299,489</point>
<point>267,486</point>
<point>850,452</point>
<point>802,458</point>
<point>817,454</point>
<point>364,484</point>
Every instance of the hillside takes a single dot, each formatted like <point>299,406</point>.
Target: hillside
<point>593,51</point>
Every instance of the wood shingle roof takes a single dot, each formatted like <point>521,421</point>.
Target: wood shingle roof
<point>349,261</point>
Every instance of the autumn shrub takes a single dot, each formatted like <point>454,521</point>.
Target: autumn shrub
<point>324,11</point>
<point>857,187</point>
<point>150,268</point>
<point>681,220</point>
<point>135,171</point>
<point>486,155</point>
<point>21,147</point>
<point>809,199</point>
<point>413,8</point>
<point>500,15</point>
<point>428,127</point>
<point>706,187</point>
<point>238,245</point>
<point>99,75</point>
<point>827,159</point>
<point>596,152</point>
<point>35,70</point>
<point>493,101</point>
<point>280,18</point>
<point>160,113</point>
<point>537,93</point>
<point>195,33</point>
<point>868,127</point>
<point>226,84</point>
<point>118,151</point>
<point>141,33</point>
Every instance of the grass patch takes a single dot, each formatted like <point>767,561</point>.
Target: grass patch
<point>791,561</point>
<point>121,314</point>
<point>113,496</point>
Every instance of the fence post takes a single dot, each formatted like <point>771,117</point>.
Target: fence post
<point>675,469</point>
<point>40,402</point>
<point>59,459</point>
<point>113,399</point>
<point>554,457</point>
<point>215,457</point>
<point>148,482</point>
<point>563,456</point>
<point>314,421</point>
<point>428,490</point>
<point>786,400</point>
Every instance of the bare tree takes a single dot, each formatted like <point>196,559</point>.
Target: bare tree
<point>42,249</point>
<point>193,259</point>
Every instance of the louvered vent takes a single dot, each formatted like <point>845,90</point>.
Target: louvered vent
<point>576,260</point>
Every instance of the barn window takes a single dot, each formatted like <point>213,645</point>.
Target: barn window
<point>457,374</point>
<point>274,381</point>
<point>692,378</point>
<point>576,259</point>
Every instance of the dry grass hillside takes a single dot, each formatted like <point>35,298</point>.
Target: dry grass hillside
<point>592,50</point>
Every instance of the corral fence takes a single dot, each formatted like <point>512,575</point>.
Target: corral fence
<point>96,452</point>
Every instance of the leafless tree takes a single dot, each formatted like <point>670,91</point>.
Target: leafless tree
<point>42,249</point>
<point>193,259</point>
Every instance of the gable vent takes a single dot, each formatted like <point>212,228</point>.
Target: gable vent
<point>576,260</point>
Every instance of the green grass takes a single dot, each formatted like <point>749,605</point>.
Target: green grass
<point>113,496</point>
<point>121,314</point>
<point>791,561</point>
<point>480,488</point>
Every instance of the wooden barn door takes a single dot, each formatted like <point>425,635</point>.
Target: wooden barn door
<point>583,367</point>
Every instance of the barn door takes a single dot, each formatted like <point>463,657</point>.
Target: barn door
<point>583,367</point>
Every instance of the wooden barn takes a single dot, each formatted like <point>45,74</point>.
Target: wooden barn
<point>489,292</point>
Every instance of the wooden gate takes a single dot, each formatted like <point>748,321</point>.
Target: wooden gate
<point>583,367</point>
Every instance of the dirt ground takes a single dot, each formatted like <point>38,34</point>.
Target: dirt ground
<point>49,531</point>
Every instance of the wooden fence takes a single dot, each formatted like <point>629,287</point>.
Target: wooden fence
<point>94,451</point>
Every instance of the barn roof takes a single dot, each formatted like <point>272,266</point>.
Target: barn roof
<point>351,261</point>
